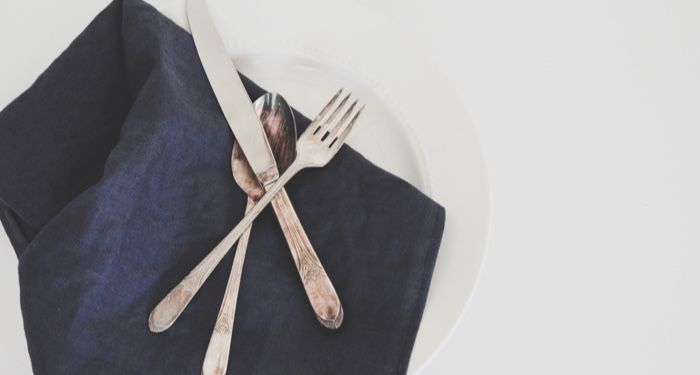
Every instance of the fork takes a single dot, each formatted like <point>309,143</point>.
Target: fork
<point>316,147</point>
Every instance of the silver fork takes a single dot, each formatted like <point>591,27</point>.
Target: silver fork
<point>315,148</point>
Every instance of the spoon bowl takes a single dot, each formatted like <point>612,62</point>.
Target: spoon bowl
<point>280,127</point>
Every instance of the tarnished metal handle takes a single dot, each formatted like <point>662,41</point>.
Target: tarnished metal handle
<point>216,359</point>
<point>322,295</point>
<point>174,303</point>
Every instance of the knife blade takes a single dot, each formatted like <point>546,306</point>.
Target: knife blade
<point>230,93</point>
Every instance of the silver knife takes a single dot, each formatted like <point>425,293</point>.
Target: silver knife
<point>246,126</point>
<point>230,93</point>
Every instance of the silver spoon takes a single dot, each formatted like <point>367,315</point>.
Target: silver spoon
<point>278,121</point>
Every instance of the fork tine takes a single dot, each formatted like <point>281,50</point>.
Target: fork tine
<point>326,124</point>
<point>333,133</point>
<point>337,142</point>
<point>325,110</point>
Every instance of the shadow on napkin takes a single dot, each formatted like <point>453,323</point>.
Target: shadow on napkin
<point>115,181</point>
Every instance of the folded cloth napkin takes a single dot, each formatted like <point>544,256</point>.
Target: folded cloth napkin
<point>115,181</point>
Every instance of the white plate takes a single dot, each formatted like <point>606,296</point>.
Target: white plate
<point>415,125</point>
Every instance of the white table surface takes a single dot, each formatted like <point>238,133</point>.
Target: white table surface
<point>588,113</point>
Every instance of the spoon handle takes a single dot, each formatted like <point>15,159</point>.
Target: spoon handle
<point>319,289</point>
<point>174,303</point>
<point>216,359</point>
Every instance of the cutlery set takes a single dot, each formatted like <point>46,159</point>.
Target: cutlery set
<point>265,156</point>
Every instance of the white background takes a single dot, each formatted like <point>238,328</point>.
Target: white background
<point>588,114</point>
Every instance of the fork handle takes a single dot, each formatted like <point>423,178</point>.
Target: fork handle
<point>319,289</point>
<point>174,303</point>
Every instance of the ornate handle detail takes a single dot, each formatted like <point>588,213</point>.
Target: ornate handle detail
<point>174,303</point>
<point>319,289</point>
<point>216,359</point>
<point>170,308</point>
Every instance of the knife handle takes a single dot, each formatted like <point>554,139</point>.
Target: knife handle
<point>319,289</point>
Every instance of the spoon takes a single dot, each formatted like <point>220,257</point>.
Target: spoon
<point>280,128</point>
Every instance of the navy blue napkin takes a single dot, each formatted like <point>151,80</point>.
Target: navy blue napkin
<point>115,181</point>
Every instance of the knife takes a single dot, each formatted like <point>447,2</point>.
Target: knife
<point>248,129</point>
<point>230,93</point>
